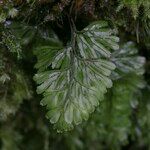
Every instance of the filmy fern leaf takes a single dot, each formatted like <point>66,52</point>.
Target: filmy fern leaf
<point>127,61</point>
<point>73,79</point>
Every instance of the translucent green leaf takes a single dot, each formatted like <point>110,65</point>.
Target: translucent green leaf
<point>127,60</point>
<point>73,80</point>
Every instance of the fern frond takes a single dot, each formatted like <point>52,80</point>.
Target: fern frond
<point>127,60</point>
<point>79,74</point>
